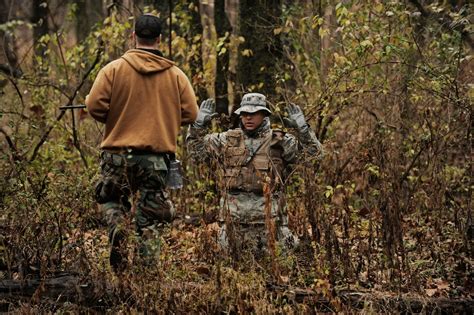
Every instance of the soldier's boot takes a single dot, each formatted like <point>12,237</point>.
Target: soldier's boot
<point>117,258</point>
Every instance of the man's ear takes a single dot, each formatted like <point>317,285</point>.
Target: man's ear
<point>133,37</point>
<point>158,40</point>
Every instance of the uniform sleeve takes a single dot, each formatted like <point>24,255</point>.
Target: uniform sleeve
<point>290,148</point>
<point>98,100</point>
<point>311,144</point>
<point>189,106</point>
<point>306,146</point>
<point>202,146</point>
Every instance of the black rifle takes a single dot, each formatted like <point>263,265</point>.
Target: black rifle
<point>72,107</point>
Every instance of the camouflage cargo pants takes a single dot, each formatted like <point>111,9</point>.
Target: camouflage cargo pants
<point>247,214</point>
<point>254,238</point>
<point>137,179</point>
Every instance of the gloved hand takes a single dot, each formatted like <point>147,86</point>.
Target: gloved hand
<point>296,117</point>
<point>207,111</point>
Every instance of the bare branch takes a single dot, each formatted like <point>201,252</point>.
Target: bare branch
<point>11,144</point>
<point>44,137</point>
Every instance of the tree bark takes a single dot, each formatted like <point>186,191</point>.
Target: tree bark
<point>257,69</point>
<point>325,44</point>
<point>89,12</point>
<point>209,40</point>
<point>40,19</point>
<point>232,11</point>
<point>8,57</point>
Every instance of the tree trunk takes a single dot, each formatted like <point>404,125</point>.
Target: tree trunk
<point>89,12</point>
<point>232,11</point>
<point>327,41</point>
<point>261,50</point>
<point>209,40</point>
<point>40,19</point>
<point>8,57</point>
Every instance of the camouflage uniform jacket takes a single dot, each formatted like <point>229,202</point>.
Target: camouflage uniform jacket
<point>249,160</point>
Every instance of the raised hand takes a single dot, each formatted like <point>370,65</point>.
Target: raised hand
<point>296,117</point>
<point>207,111</point>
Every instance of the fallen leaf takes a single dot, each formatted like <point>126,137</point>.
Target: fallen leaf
<point>431,292</point>
<point>284,279</point>
<point>442,285</point>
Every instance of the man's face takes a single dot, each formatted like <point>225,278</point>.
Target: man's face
<point>252,121</point>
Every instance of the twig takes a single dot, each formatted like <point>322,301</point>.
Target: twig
<point>70,102</point>
<point>61,54</point>
<point>442,19</point>
<point>13,149</point>
<point>14,113</point>
<point>48,84</point>
<point>412,164</point>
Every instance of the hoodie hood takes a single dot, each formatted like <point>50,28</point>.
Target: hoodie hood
<point>145,62</point>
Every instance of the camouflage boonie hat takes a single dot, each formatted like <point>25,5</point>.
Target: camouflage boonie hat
<point>252,103</point>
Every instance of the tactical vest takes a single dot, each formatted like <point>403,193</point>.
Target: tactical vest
<point>246,172</point>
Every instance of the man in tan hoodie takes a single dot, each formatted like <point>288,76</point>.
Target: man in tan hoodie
<point>143,99</point>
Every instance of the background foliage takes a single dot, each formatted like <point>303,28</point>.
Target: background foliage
<point>387,86</point>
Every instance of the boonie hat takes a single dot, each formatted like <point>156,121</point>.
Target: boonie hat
<point>148,26</point>
<point>252,103</point>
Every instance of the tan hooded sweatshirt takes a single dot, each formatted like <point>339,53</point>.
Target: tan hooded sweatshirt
<point>143,99</point>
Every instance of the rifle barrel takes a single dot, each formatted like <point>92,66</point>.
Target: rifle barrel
<point>72,107</point>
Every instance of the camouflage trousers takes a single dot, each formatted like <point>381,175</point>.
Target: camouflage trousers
<point>254,238</point>
<point>246,227</point>
<point>133,181</point>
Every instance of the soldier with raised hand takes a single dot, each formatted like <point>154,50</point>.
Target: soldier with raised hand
<point>143,99</point>
<point>248,157</point>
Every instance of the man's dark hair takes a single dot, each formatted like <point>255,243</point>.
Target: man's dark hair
<point>146,41</point>
<point>147,27</point>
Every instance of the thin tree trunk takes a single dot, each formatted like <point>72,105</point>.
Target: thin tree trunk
<point>8,58</point>
<point>209,40</point>
<point>40,19</point>
<point>325,44</point>
<point>89,12</point>
<point>258,66</point>
<point>232,11</point>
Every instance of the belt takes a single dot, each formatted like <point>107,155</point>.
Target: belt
<point>133,151</point>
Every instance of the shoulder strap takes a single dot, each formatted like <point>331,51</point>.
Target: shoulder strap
<point>252,152</point>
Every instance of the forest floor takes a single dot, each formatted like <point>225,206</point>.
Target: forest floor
<point>194,276</point>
